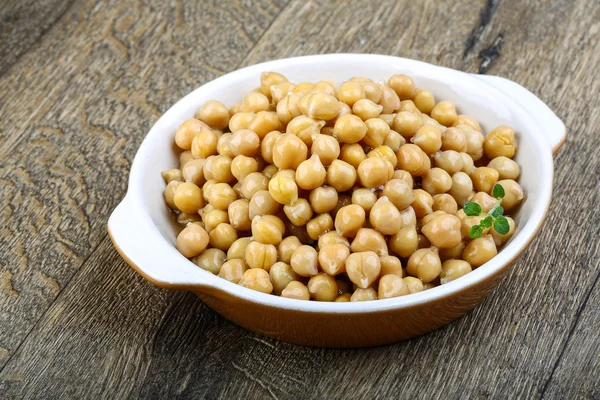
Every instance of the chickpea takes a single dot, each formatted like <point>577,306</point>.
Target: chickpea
<point>425,264</point>
<point>405,176</point>
<point>390,286</point>
<point>351,92</point>
<point>221,195</point>
<point>443,231</point>
<point>288,108</point>
<point>299,212</point>
<point>185,219</point>
<point>484,179</point>
<point>332,238</point>
<point>407,123</point>
<point>188,198</point>
<point>323,199</point>
<point>192,240</point>
<point>296,290</point>
<point>389,99</point>
<point>391,265</point>
<point>385,217</point>
<point>450,161</point>
<point>325,86</point>
<point>405,242</point>
<point>479,251</point>
<point>486,201</point>
<point>289,151</point>
<point>184,157</point>
<point>341,175</point>
<point>469,121</point>
<point>244,142</point>
<point>238,248</point>
<point>384,152</point>
<point>223,145</point>
<point>257,279</point>
<point>422,204</point>
<point>403,85</point>
<point>169,194</point>
<point>263,123</point>
<point>344,297</point>
<point>454,139</point>
<point>500,142</point>
<point>260,255</point>
<point>513,194</point>
<point>187,131</point>
<point>349,219</point>
<point>413,160</point>
<point>387,118</point>
<point>255,102</point>
<point>269,171</point>
<point>506,168</point>
<point>204,144</point>
<point>302,88</point>
<point>269,79</point>
<point>444,112</point>
<point>424,100</point>
<point>210,260</point>
<point>252,183</point>
<point>366,109</point>
<point>377,131</point>
<point>323,287</point>
<point>304,128</point>
<point>262,203</point>
<point>500,239</point>
<point>283,189</point>
<point>353,154</point>
<point>172,175</point>
<point>363,268</point>
<point>408,217</point>
<point>239,215</point>
<point>452,252</point>
<point>214,113</point>
<point>233,270</point>
<point>474,141</point>
<point>286,248</point>
<point>281,275</point>
<point>429,217</point>
<point>214,217</point>
<point>221,169</point>
<point>319,225</point>
<point>364,294</point>
<point>326,148</point>
<point>428,138</point>
<point>280,90</point>
<point>311,174</point>
<point>372,91</point>
<point>468,163</point>
<point>322,106</point>
<point>349,129</point>
<point>332,258</point>
<point>304,261</point>
<point>222,236</point>
<point>267,231</point>
<point>369,240</point>
<point>461,187</point>
<point>437,181</point>
<point>409,105</point>
<point>467,224</point>
<point>444,202</point>
<point>364,198</point>
<point>240,121</point>
<point>454,269</point>
<point>374,172</point>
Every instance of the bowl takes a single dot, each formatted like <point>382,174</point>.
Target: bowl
<point>143,231</point>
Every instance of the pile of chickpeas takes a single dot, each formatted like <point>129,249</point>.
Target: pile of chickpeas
<point>338,193</point>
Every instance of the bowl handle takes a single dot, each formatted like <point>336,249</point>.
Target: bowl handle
<point>138,242</point>
<point>553,128</point>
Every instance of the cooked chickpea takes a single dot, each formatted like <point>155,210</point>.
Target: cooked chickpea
<point>425,264</point>
<point>413,160</point>
<point>192,240</point>
<point>374,172</point>
<point>364,198</point>
<point>366,109</point>
<point>349,129</point>
<point>422,204</point>
<point>430,217</point>
<point>304,261</point>
<point>484,179</point>
<point>214,217</point>
<point>369,240</point>
<point>349,219</point>
<point>407,123</point>
<point>513,194</point>
<point>210,260</point>
<point>240,121</point>
<point>267,231</point>
<point>437,181</point>
<point>319,225</point>
<point>443,231</point>
<point>386,153</point>
<point>289,151</point>
<point>507,168</point>
<point>286,248</point>
<point>172,175</point>
<point>385,217</point>
<point>474,141</point>
<point>353,154</point>
<point>253,183</point>
<point>461,187</point>
<point>363,268</point>
<point>299,212</point>
<point>188,198</point>
<point>184,158</point>
<point>304,128</point>
<point>169,194</point>
<point>389,99</point>
<point>405,176</point>
<point>193,172</point>
<point>332,258</point>
<point>377,131</point>
<point>454,269</point>
<point>408,217</point>
<point>296,290</point>
<point>269,171</point>
<point>500,142</point>
<point>467,224</point>
<point>452,252</point>
<point>214,113</point>
<point>221,169</point>
<point>187,131</point>
<point>424,100</point>
<point>269,79</point>
<point>364,294</point>
<point>311,173</point>
<point>240,167</point>
<point>444,202</point>
<point>323,287</point>
<point>327,148</point>
<point>204,144</point>
<point>341,175</point>
<point>500,239</point>
<point>351,92</point>
<point>221,195</point>
<point>387,118</point>
<point>405,242</point>
<point>233,270</point>
<point>486,201</point>
<point>288,108</point>
<point>263,123</point>
<point>479,251</point>
<point>322,106</point>
<point>238,248</point>
<point>255,102</point>
<point>262,203</point>
<point>372,91</point>
<point>343,298</point>
<point>222,236</point>
<point>332,238</point>
<point>454,139</point>
<point>244,142</point>
<point>444,112</point>
<point>323,199</point>
<point>428,138</point>
<point>281,275</point>
<point>391,265</point>
<point>390,286</point>
<point>257,279</point>
<point>450,161</point>
<point>260,255</point>
<point>408,105</point>
<point>403,85</point>
<point>280,90</point>
<point>223,145</point>
<point>239,216</point>
<point>283,188</point>
<point>469,121</point>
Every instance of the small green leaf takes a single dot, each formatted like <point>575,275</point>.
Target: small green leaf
<point>475,231</point>
<point>501,225</point>
<point>472,209</point>
<point>498,191</point>
<point>497,212</point>
<point>487,222</point>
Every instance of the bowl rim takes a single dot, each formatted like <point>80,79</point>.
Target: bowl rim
<point>212,283</point>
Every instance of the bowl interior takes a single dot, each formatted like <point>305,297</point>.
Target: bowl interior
<point>471,95</point>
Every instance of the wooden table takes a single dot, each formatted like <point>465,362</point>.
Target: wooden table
<point>81,82</point>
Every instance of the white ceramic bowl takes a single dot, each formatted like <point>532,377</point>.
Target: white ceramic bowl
<point>143,231</point>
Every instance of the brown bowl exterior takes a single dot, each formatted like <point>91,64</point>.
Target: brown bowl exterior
<point>348,330</point>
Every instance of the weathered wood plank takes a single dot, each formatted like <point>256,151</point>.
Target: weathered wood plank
<point>73,113</point>
<point>112,334</point>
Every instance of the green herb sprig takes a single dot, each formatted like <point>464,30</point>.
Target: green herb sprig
<point>493,217</point>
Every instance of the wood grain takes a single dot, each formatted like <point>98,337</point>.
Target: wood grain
<point>77,322</point>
